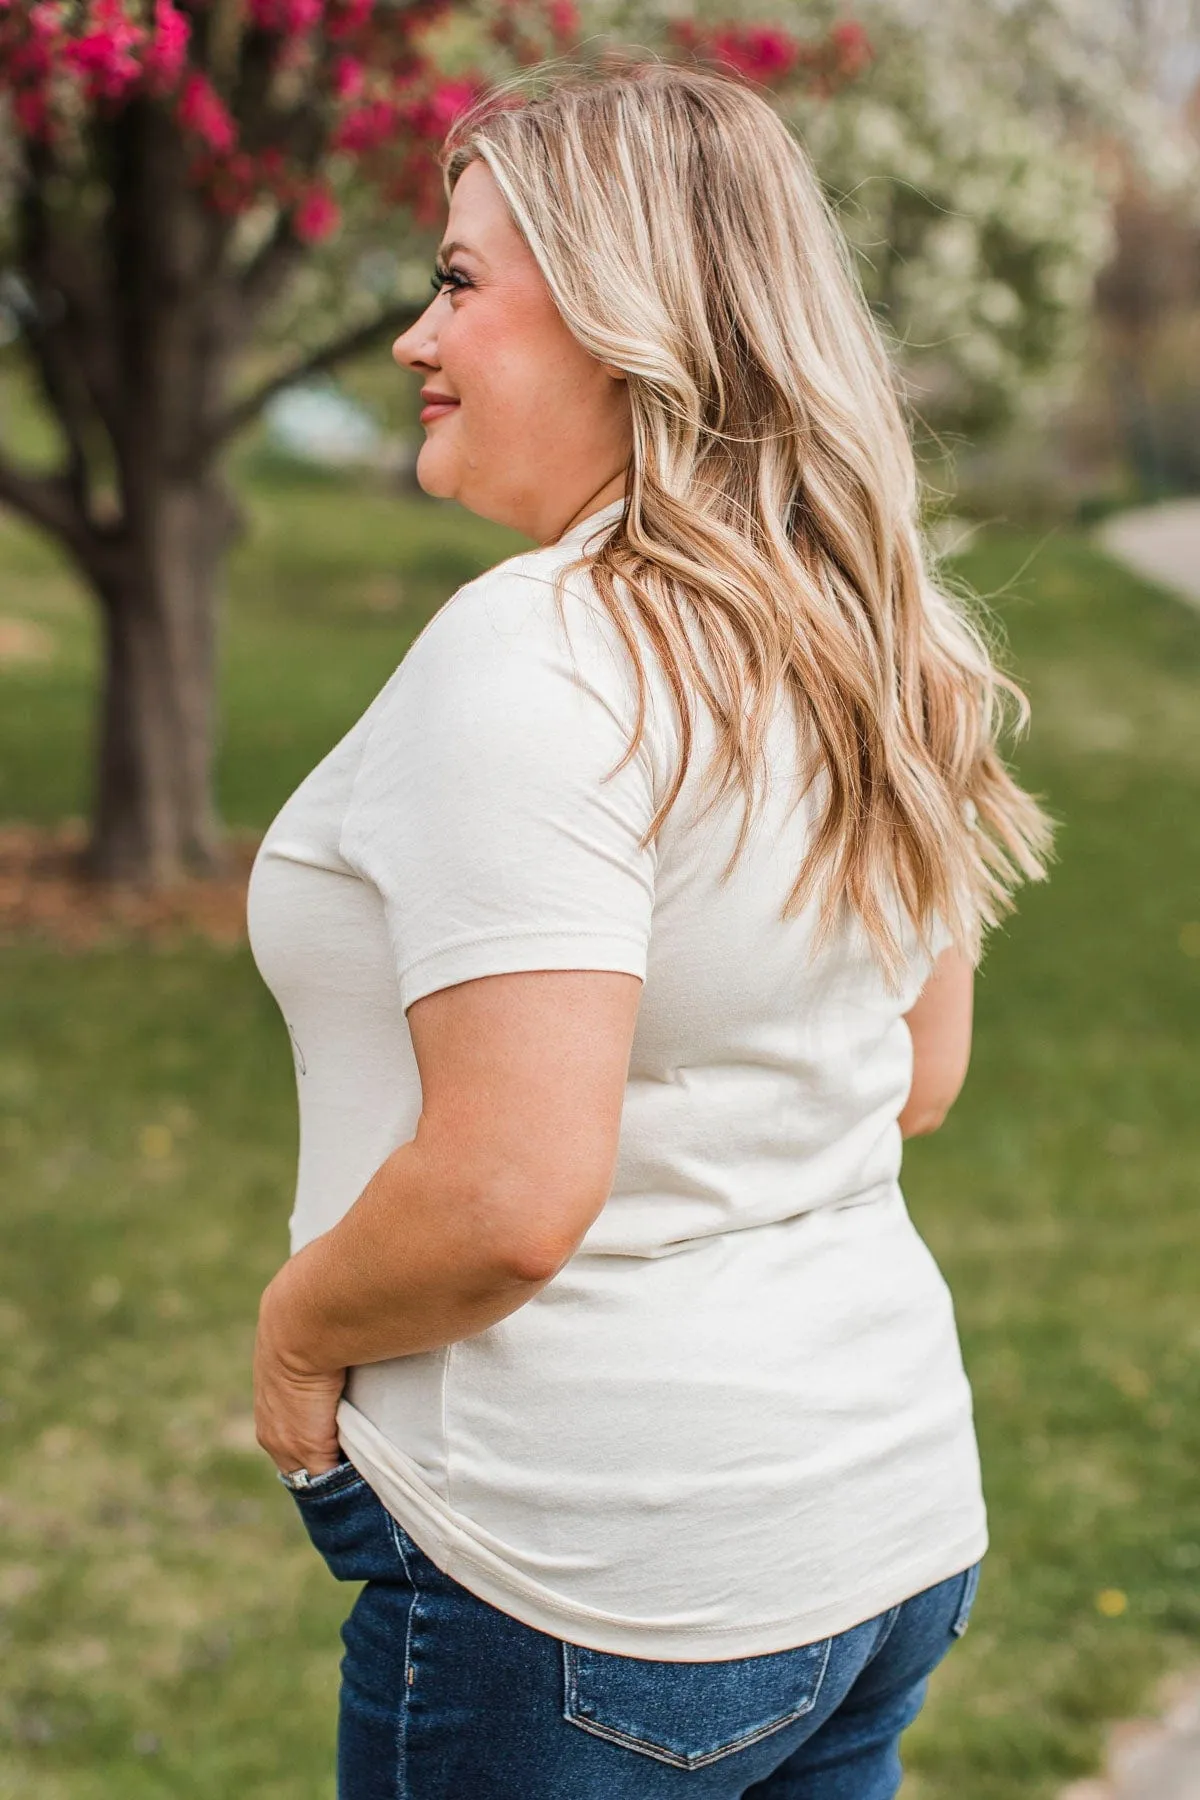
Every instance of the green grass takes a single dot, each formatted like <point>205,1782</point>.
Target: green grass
<point>167,1630</point>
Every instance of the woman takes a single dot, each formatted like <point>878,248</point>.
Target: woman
<point>621,941</point>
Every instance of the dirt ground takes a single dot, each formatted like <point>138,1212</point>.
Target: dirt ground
<point>44,894</point>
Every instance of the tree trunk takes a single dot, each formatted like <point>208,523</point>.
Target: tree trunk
<point>153,817</point>
<point>175,325</point>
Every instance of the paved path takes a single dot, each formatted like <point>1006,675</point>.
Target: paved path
<point>1153,1760</point>
<point>1162,542</point>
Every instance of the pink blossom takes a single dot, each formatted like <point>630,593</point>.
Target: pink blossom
<point>348,73</point>
<point>351,16</point>
<point>290,16</point>
<point>762,53</point>
<point>44,42</point>
<point>104,57</point>
<point>447,101</point>
<point>852,46</point>
<point>167,52</point>
<point>47,18</point>
<point>202,111</point>
<point>32,112</point>
<point>563,17</point>
<point>271,165</point>
<point>366,127</point>
<point>426,117</point>
<point>317,216</point>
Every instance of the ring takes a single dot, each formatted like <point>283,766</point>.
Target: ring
<point>297,1478</point>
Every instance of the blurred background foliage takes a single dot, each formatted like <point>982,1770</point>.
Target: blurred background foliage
<point>1021,185</point>
<point>1020,180</point>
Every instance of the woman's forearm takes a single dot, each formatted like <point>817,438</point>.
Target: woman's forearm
<point>413,1265</point>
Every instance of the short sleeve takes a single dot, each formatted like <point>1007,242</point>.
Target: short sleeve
<point>479,808</point>
<point>940,938</point>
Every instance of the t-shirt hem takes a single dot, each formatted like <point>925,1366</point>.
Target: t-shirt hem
<point>476,1567</point>
<point>512,952</point>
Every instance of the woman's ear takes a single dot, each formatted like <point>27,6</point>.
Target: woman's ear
<point>609,369</point>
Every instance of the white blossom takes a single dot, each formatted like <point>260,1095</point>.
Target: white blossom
<point>967,170</point>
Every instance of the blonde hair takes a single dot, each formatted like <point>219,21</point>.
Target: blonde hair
<point>771,501</point>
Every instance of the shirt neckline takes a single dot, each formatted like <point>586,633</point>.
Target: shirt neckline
<point>604,515</point>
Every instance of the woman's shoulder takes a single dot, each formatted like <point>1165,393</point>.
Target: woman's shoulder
<point>512,614</point>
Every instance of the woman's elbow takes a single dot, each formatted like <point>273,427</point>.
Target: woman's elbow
<point>928,1104</point>
<point>921,1121</point>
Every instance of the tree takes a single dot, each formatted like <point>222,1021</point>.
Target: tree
<point>168,168</point>
<point>977,171</point>
<point>169,174</point>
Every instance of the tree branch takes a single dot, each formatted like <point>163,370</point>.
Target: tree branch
<point>392,319</point>
<point>48,500</point>
<point>60,386</point>
<point>65,321</point>
<point>297,129</point>
<point>263,277</point>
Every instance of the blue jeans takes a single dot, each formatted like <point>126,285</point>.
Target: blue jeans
<point>445,1697</point>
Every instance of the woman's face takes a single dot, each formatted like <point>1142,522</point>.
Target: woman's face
<point>536,431</point>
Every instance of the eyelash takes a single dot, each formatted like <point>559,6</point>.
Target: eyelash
<point>441,275</point>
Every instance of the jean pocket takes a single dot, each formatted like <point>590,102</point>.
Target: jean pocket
<point>689,1714</point>
<point>350,1526</point>
<point>966,1600</point>
<point>329,1481</point>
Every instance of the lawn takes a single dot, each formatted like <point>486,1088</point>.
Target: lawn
<point>167,1630</point>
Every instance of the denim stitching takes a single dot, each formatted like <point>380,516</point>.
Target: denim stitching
<point>966,1601</point>
<point>614,1735</point>
<point>627,1741</point>
<point>569,1679</point>
<point>402,1723</point>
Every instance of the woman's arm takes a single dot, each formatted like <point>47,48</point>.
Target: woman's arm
<point>522,1083</point>
<point>940,1024</point>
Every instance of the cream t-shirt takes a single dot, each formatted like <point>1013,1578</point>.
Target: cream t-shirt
<point>737,1420</point>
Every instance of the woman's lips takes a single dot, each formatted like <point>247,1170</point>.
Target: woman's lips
<point>435,409</point>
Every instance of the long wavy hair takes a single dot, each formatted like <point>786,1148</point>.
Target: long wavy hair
<point>770,540</point>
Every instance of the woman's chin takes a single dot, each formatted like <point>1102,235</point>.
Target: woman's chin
<point>433,475</point>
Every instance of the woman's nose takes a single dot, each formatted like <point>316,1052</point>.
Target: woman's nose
<point>417,345</point>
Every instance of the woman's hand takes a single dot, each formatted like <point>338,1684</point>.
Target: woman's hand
<point>294,1403</point>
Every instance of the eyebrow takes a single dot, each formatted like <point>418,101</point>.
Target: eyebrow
<point>445,250</point>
